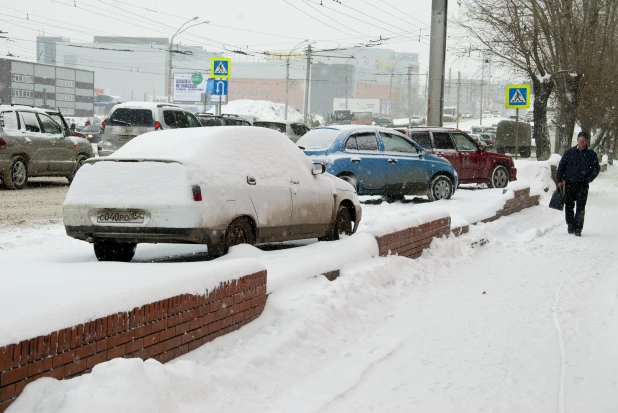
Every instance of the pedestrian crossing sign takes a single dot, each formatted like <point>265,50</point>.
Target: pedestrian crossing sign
<point>220,68</point>
<point>517,96</point>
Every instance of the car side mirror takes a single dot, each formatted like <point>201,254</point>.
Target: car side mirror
<point>67,133</point>
<point>318,168</point>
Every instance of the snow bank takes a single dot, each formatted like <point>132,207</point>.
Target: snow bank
<point>48,296</point>
<point>261,109</point>
<point>402,223</point>
<point>536,175</point>
<point>554,160</point>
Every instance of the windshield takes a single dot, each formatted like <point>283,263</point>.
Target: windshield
<point>131,117</point>
<point>318,138</point>
<point>58,120</point>
<point>92,128</point>
<point>271,125</point>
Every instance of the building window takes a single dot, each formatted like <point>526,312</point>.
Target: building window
<point>65,83</point>
<point>18,93</point>
<point>15,77</point>
<point>65,97</point>
<point>246,94</point>
<point>68,111</point>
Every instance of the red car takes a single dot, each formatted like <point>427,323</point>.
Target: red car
<point>473,163</point>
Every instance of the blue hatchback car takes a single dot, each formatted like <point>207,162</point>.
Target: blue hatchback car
<point>380,161</point>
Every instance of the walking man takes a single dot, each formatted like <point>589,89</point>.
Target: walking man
<point>578,167</point>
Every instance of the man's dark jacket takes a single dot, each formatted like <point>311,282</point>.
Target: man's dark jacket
<point>578,166</point>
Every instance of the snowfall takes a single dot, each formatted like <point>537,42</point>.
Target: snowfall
<point>514,316</point>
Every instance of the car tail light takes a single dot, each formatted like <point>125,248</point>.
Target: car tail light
<point>158,125</point>
<point>103,125</point>
<point>2,143</point>
<point>197,193</point>
<point>99,148</point>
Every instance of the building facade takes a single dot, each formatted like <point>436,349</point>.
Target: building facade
<point>42,85</point>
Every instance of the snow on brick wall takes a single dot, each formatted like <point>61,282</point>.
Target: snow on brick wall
<point>162,330</point>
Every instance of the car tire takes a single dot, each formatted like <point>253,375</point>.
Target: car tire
<point>114,251</point>
<point>351,179</point>
<point>239,232</point>
<point>440,187</point>
<point>80,162</point>
<point>343,225</point>
<point>17,177</point>
<point>499,177</point>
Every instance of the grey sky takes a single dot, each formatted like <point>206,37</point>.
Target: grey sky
<point>281,23</point>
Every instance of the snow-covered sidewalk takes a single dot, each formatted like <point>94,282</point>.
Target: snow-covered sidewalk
<point>525,323</point>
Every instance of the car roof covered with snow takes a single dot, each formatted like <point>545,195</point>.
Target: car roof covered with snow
<point>146,105</point>
<point>219,154</point>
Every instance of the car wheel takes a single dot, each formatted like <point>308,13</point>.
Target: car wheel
<point>239,232</point>
<point>343,225</point>
<point>17,178</point>
<point>114,251</point>
<point>499,177</point>
<point>352,180</point>
<point>80,163</point>
<point>441,187</point>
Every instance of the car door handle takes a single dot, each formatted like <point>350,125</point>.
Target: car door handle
<point>251,180</point>
<point>392,161</point>
<point>356,160</point>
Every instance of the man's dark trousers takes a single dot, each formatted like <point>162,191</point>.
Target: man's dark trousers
<point>575,193</point>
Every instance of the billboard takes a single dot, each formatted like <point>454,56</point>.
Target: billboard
<point>358,105</point>
<point>186,87</point>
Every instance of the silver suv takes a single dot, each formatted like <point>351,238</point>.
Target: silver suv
<point>128,120</point>
<point>33,144</point>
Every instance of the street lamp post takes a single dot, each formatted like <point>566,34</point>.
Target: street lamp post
<point>287,77</point>
<point>390,93</point>
<point>169,73</point>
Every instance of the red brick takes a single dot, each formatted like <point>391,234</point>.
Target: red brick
<point>115,329</point>
<point>38,349</point>
<point>244,306</point>
<point>188,337</point>
<point>156,349</point>
<point>92,332</point>
<point>196,323</point>
<point>183,328</point>
<point>116,352</point>
<point>143,331</point>
<point>80,335</point>
<point>85,351</point>
<point>3,357</point>
<point>96,359</point>
<point>189,315</point>
<point>7,393</point>
<point>75,367</point>
<point>184,349</point>
<point>165,357</point>
<point>224,312</point>
<point>13,376</point>
<point>8,361</point>
<point>57,374</point>
<point>173,343</point>
<point>132,319</point>
<point>212,327</point>
<point>227,321</point>
<point>141,316</point>
<point>134,345</point>
<point>158,326</point>
<point>195,344</point>
<point>165,308</point>
<point>142,354</point>
<point>151,339</point>
<point>215,306</point>
<point>210,318</point>
<point>147,313</point>
<point>23,358</point>
<point>174,320</point>
<point>167,333</point>
<point>227,302</point>
<point>39,366</point>
<point>106,343</point>
<point>63,358</point>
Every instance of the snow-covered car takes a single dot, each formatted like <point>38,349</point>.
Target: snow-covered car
<point>293,130</point>
<point>218,186</point>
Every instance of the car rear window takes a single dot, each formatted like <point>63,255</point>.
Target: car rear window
<point>178,119</point>
<point>422,138</point>
<point>131,117</point>
<point>318,138</point>
<point>271,125</point>
<point>299,129</point>
<point>211,121</point>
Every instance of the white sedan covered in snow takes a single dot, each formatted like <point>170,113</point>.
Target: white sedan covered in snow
<point>219,186</point>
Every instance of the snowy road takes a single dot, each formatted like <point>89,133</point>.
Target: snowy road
<point>525,323</point>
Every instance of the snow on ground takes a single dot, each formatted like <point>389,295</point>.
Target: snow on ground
<point>52,262</point>
<point>524,324</point>
<point>261,109</point>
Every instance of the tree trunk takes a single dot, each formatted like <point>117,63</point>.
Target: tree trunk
<point>542,91</point>
<point>568,103</point>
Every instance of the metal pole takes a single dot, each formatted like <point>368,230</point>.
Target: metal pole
<point>458,88</point>
<point>482,78</point>
<point>516,132</point>
<point>409,97</point>
<point>169,73</point>
<point>437,54</point>
<point>346,85</point>
<point>307,84</point>
<point>287,80</point>
<point>390,96</point>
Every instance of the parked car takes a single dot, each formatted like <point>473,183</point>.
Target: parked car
<point>495,114</point>
<point>128,120</point>
<point>472,162</point>
<point>32,144</point>
<point>486,114</point>
<point>92,133</point>
<point>479,139</point>
<point>466,115</point>
<point>293,130</point>
<point>380,161</point>
<point>489,139</point>
<point>215,186</point>
<point>384,122</point>
<point>207,119</point>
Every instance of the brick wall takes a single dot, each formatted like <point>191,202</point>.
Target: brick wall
<point>162,330</point>
<point>411,241</point>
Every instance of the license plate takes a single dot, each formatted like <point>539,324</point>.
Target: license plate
<point>126,137</point>
<point>120,217</point>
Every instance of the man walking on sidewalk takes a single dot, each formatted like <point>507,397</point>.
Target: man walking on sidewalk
<point>578,167</point>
